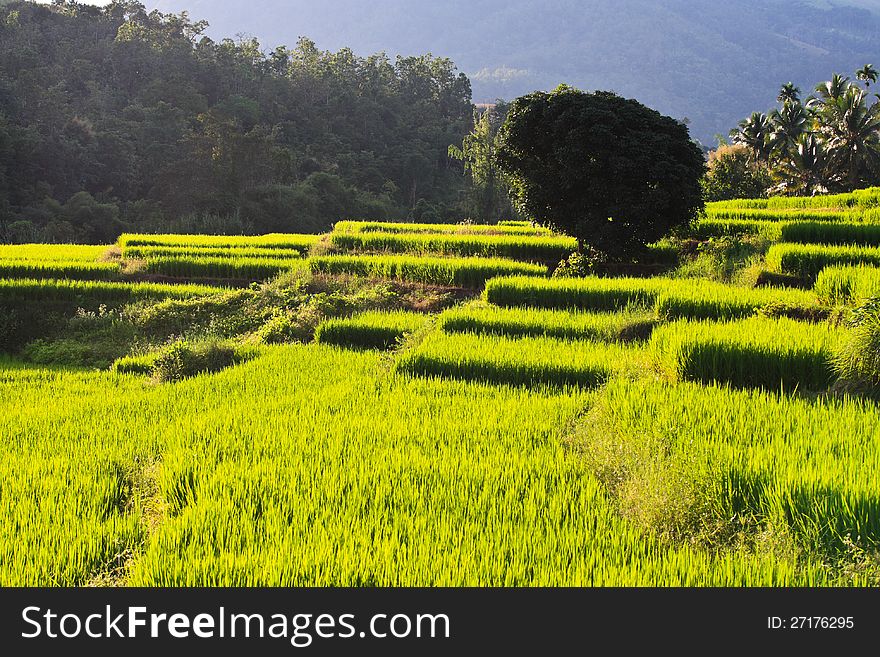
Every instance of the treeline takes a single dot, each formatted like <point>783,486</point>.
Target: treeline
<point>116,118</point>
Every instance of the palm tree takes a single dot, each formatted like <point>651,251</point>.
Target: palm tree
<point>804,169</point>
<point>834,88</point>
<point>754,133</point>
<point>852,134</point>
<point>867,74</point>
<point>787,125</point>
<point>789,93</point>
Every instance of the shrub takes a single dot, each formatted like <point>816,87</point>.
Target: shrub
<point>184,359</point>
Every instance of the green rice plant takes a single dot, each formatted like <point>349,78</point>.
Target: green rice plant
<point>847,284</point>
<point>60,269</point>
<point>823,232</point>
<point>300,243</point>
<point>253,269</point>
<point>312,466</point>
<point>857,358</point>
<point>719,465</point>
<point>590,293</point>
<point>830,215</point>
<point>538,249</point>
<point>52,252</point>
<point>709,228</point>
<point>528,361</point>
<point>758,352</point>
<point>670,298</point>
<point>531,322</point>
<point>860,198</point>
<point>457,272</point>
<point>513,228</point>
<point>807,260</point>
<point>370,330</point>
<point>89,294</point>
<point>707,300</point>
<point>147,252</point>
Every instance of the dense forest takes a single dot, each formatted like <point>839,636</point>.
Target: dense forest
<point>713,62</point>
<point>117,118</point>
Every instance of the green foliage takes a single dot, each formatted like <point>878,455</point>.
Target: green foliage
<point>608,171</point>
<point>857,199</point>
<point>183,359</point>
<point>731,174</point>
<point>456,272</point>
<point>287,140</point>
<point>757,352</point>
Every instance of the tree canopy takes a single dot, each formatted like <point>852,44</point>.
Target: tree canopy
<point>609,171</point>
<point>139,121</point>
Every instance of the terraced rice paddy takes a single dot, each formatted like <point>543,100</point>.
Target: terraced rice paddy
<point>597,431</point>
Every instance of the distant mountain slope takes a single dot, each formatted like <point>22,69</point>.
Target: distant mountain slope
<point>713,62</point>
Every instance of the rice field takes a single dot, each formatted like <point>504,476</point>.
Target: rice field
<point>534,322</point>
<point>147,252</point>
<point>740,461</point>
<point>458,272</point>
<point>195,267</point>
<point>524,248</point>
<point>758,352</point>
<point>52,252</point>
<point>370,330</point>
<point>848,285</point>
<point>807,261</point>
<point>555,432</point>
<point>526,361</point>
<point>668,298</point>
<point>82,270</point>
<point>301,243</point>
<point>860,198</point>
<point>90,294</point>
<point>517,228</point>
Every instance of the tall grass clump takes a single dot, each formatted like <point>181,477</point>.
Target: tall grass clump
<point>370,330</point>
<point>806,261</point>
<point>847,285</point>
<point>708,300</point>
<point>456,272</point>
<point>758,352</point>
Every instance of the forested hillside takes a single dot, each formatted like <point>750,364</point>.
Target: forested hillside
<point>712,62</point>
<point>117,118</point>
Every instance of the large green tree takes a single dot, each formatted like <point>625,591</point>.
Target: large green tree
<point>609,171</point>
